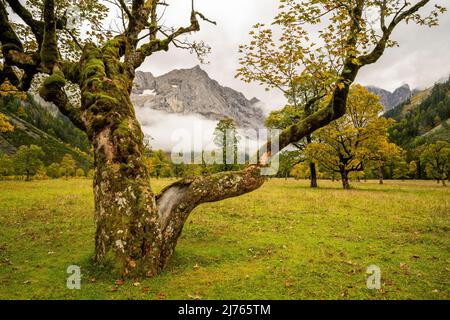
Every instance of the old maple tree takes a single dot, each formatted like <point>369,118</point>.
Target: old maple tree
<point>137,228</point>
<point>356,140</point>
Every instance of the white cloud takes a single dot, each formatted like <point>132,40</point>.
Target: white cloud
<point>422,58</point>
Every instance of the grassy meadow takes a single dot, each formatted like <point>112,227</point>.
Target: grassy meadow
<point>284,241</point>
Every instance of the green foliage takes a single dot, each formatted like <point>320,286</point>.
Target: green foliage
<point>287,160</point>
<point>80,173</point>
<point>414,124</point>
<point>67,166</point>
<point>53,170</point>
<point>159,164</point>
<point>6,165</point>
<point>227,138</point>
<point>27,160</point>
<point>40,125</point>
<point>437,160</point>
<point>401,170</point>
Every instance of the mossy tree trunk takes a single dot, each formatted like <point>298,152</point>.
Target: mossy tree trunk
<point>137,228</point>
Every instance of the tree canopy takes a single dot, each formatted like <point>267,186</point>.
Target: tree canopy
<point>351,142</point>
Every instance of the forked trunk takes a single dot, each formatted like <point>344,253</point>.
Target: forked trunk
<point>136,229</point>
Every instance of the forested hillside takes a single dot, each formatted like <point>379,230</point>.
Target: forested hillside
<point>423,118</point>
<point>36,124</point>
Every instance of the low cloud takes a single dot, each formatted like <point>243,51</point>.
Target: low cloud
<point>177,132</point>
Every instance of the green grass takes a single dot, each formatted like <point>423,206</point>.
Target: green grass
<point>284,241</point>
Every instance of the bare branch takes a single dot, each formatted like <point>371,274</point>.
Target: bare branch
<point>381,45</point>
<point>37,27</point>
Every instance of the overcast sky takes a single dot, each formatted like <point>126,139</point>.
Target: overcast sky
<point>422,59</point>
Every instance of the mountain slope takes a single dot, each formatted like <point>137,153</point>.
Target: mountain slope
<point>35,124</point>
<point>192,91</point>
<point>391,99</point>
<point>423,118</point>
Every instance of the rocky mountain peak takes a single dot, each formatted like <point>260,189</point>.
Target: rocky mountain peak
<point>392,99</point>
<point>192,91</point>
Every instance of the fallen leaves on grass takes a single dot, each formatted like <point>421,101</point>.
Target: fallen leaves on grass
<point>288,283</point>
<point>119,282</point>
<point>404,266</point>
<point>195,296</point>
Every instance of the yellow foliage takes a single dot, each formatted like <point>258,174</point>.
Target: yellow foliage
<point>5,126</point>
<point>7,90</point>
<point>357,139</point>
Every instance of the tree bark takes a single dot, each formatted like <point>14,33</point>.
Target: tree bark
<point>380,175</point>
<point>137,229</point>
<point>345,182</point>
<point>312,167</point>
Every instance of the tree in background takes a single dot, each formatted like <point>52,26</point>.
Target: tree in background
<point>7,92</point>
<point>27,160</point>
<point>6,165</point>
<point>277,61</point>
<point>80,173</point>
<point>401,169</point>
<point>382,153</point>
<point>179,170</point>
<point>347,144</point>
<point>137,228</point>
<point>41,173</point>
<point>159,164</point>
<point>287,160</point>
<point>412,169</point>
<point>227,139</point>
<point>67,166</point>
<point>283,119</point>
<point>437,159</point>
<point>300,171</point>
<point>54,170</point>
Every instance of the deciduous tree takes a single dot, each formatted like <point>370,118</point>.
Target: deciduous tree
<point>53,170</point>
<point>27,160</point>
<point>349,143</point>
<point>227,138</point>
<point>67,166</point>
<point>6,165</point>
<point>437,159</point>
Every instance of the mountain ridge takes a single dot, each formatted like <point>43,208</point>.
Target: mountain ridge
<point>392,99</point>
<point>423,118</point>
<point>193,91</point>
